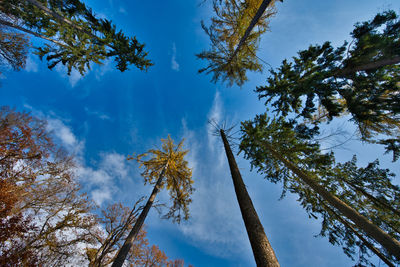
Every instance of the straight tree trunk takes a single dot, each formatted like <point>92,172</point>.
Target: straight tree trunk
<point>123,252</point>
<point>389,243</point>
<point>263,253</point>
<point>253,22</point>
<point>361,237</point>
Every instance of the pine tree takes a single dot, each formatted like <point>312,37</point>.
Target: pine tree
<point>263,252</point>
<point>282,150</point>
<point>76,38</point>
<point>360,79</point>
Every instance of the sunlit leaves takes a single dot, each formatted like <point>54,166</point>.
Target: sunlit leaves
<point>227,61</point>
<point>170,161</point>
<point>42,178</point>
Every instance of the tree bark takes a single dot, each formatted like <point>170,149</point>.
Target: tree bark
<point>123,252</point>
<point>253,22</point>
<point>263,253</point>
<point>341,73</point>
<point>373,231</point>
<point>361,237</point>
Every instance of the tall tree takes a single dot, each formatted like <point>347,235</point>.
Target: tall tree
<point>234,44</point>
<point>360,79</point>
<point>282,150</point>
<point>76,38</point>
<point>165,168</point>
<point>263,253</point>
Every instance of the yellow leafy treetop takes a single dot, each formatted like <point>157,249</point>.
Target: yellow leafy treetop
<point>169,162</point>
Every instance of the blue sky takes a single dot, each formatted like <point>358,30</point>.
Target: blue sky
<point>107,115</point>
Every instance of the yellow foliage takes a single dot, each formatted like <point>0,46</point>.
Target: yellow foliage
<point>169,164</point>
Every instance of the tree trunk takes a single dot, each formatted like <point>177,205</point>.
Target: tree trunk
<point>9,24</point>
<point>253,23</point>
<point>369,66</point>
<point>60,18</point>
<point>263,253</point>
<point>361,237</point>
<point>373,231</point>
<point>124,250</point>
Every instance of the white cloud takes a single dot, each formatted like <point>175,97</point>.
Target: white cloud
<point>98,114</point>
<point>215,225</point>
<point>31,65</point>
<point>174,63</point>
<point>73,78</point>
<point>215,119</point>
<point>102,180</point>
<point>65,136</point>
<point>100,195</point>
<point>102,69</point>
<point>99,180</point>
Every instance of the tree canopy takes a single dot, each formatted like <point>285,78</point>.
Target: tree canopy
<point>178,176</point>
<point>226,60</point>
<point>368,190</point>
<point>75,37</point>
<point>359,79</point>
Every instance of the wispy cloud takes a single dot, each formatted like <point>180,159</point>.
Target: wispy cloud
<point>101,181</point>
<point>65,136</point>
<point>102,69</point>
<point>73,78</point>
<point>215,225</point>
<point>174,63</point>
<point>31,65</point>
<point>101,178</point>
<point>98,114</point>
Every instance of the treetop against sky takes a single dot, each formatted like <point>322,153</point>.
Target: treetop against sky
<point>106,115</point>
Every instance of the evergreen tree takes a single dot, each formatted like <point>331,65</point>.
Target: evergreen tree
<point>263,252</point>
<point>76,38</point>
<point>165,168</point>
<point>282,150</point>
<point>360,79</point>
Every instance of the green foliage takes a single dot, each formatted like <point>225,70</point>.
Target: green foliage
<point>361,80</point>
<point>178,176</point>
<point>77,37</point>
<point>368,190</point>
<point>229,24</point>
